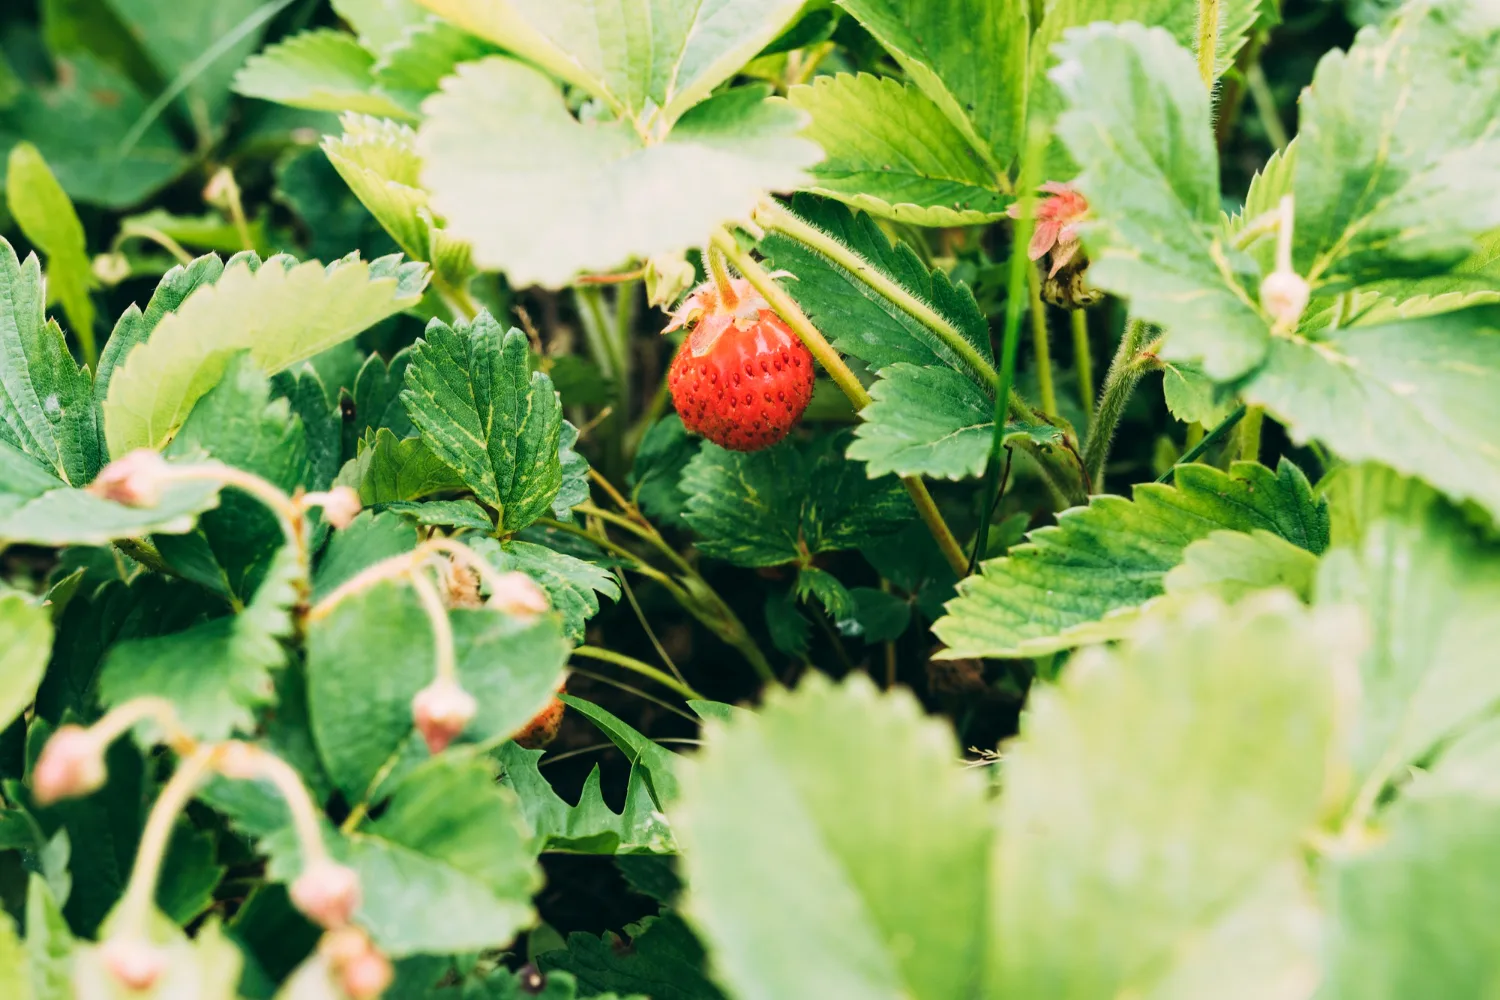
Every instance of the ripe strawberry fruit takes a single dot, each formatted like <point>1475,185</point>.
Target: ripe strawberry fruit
<point>741,377</point>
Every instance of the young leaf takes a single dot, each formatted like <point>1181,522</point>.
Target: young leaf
<point>46,400</point>
<point>892,153</point>
<point>660,959</point>
<point>591,826</point>
<point>1417,395</point>
<point>543,196</point>
<point>968,57</point>
<point>25,644</point>
<point>932,421</point>
<point>1107,835</point>
<point>790,850</point>
<point>480,409</point>
<point>46,215</point>
<point>688,51</point>
<point>787,503</point>
<point>1139,126</point>
<point>320,70</point>
<point>264,310</point>
<point>1084,579</point>
<point>572,585</point>
<point>386,470</point>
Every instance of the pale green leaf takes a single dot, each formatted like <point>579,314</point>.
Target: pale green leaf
<point>572,585</point>
<point>590,826</point>
<point>632,55</point>
<point>25,644</point>
<point>786,503</point>
<point>14,966</point>
<point>46,215</point>
<point>209,231</point>
<point>891,152</point>
<point>1417,395</point>
<point>1193,397</point>
<point>380,23</point>
<point>967,56</point>
<point>481,410</point>
<point>1086,578</point>
<point>542,196</point>
<point>932,421</point>
<point>1232,564</point>
<point>834,830</point>
<point>413,66</point>
<point>387,470</point>
<point>1397,165</point>
<point>1155,805</point>
<point>49,942</point>
<point>320,70</point>
<point>1139,125</point>
<point>265,310</point>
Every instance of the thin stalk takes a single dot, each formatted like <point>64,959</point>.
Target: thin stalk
<point>134,914</point>
<point>1250,434</point>
<point>647,534</point>
<point>444,657</point>
<point>640,616</point>
<point>1083,359</point>
<point>845,379</point>
<point>1124,372</point>
<point>720,272</point>
<point>1265,105</point>
<point>1208,41</point>
<point>636,666</point>
<point>615,682</point>
<point>1208,441</point>
<point>1041,342</point>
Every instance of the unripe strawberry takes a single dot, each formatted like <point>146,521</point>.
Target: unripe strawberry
<point>441,711</point>
<point>328,893</point>
<point>134,962</point>
<point>543,727</point>
<point>518,594</point>
<point>363,972</point>
<point>741,377</point>
<point>71,765</point>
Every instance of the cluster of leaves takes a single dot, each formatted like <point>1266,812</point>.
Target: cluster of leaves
<point>1257,708</point>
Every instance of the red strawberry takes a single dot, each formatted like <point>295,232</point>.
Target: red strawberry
<point>741,378</point>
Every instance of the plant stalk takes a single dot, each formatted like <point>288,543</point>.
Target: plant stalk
<point>1250,434</point>
<point>1083,359</point>
<point>1124,372</point>
<point>1207,441</point>
<point>1041,342</point>
<point>636,666</point>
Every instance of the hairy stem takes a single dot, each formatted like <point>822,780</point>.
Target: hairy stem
<point>1124,372</point>
<point>1083,359</point>
<point>636,666</point>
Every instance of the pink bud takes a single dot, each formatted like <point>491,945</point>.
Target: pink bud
<point>328,893</point>
<point>136,963</point>
<point>134,480</point>
<point>71,765</point>
<point>442,711</point>
<point>341,505</point>
<point>518,594</point>
<point>1284,295</point>
<point>366,976</point>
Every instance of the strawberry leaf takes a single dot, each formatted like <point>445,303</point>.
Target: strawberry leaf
<point>1085,579</point>
<point>1233,564</point>
<point>413,66</point>
<point>591,826</point>
<point>46,215</point>
<point>387,470</point>
<point>25,645</point>
<point>322,70</point>
<point>572,585</point>
<point>658,957</point>
<point>381,24</point>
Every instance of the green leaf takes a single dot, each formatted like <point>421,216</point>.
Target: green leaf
<point>377,396</point>
<point>320,70</point>
<point>543,196</point>
<point>209,231</point>
<point>968,57</point>
<point>25,644</point>
<point>49,943</point>
<point>830,593</point>
<point>662,767</point>
<point>14,966</point>
<point>215,674</point>
<point>591,826</point>
<point>631,56</point>
<point>46,215</point>
<point>101,108</point>
<point>1426,581</point>
<point>787,503</point>
<point>1146,812</point>
<point>858,320</point>
<point>480,409</point>
<point>380,23</point>
<point>46,400</point>
<point>932,421</point>
<point>574,489</point>
<point>1232,564</point>
<point>1396,166</point>
<point>1193,397</point>
<point>386,470</point>
<point>445,513</point>
<point>664,452</point>
<point>262,309</point>
<point>833,830</point>
<point>367,540</point>
<point>413,66</point>
<point>877,616</point>
<point>1085,579</point>
<point>660,959</point>
<point>1139,125</point>
<point>1417,395</point>
<point>572,585</point>
<point>892,153</point>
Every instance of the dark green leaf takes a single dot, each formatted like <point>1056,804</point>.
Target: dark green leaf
<point>659,957</point>
<point>590,827</point>
<point>659,461</point>
<point>572,585</point>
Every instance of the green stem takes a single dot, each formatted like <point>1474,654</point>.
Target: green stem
<point>1250,434</point>
<point>1083,359</point>
<point>1124,372</point>
<point>1265,105</point>
<point>1208,441</point>
<point>1208,40</point>
<point>1041,342</point>
<point>845,379</point>
<point>636,666</point>
<point>134,913</point>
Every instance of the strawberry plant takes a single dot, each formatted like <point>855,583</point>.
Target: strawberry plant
<point>760,499</point>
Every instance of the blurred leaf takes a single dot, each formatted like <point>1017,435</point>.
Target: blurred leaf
<point>1085,579</point>
<point>413,66</point>
<point>367,540</point>
<point>659,957</point>
<point>791,851</point>
<point>664,452</point>
<point>876,616</point>
<point>45,214</point>
<point>387,470</point>
<point>579,381</point>
<point>25,644</point>
<point>892,153</point>
<point>1146,812</point>
<point>318,70</point>
<point>260,308</point>
<point>968,57</point>
<point>1233,564</point>
<point>481,410</point>
<point>332,217</point>
<point>377,396</point>
<point>543,196</point>
<point>1139,125</point>
<point>590,827</point>
<point>380,23</point>
<point>1193,397</point>
<point>572,585</point>
<point>786,503</point>
<point>209,231</point>
<point>790,630</point>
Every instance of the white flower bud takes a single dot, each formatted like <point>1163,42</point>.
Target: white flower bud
<point>518,594</point>
<point>1284,295</point>
<point>135,963</point>
<point>328,893</point>
<point>71,765</point>
<point>111,268</point>
<point>134,480</point>
<point>441,712</point>
<point>341,505</point>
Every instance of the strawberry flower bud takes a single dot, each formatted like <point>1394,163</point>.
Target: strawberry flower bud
<point>341,505</point>
<point>668,275</point>
<point>327,893</point>
<point>363,972</point>
<point>135,480</point>
<point>1284,295</point>
<point>71,765</point>
<point>518,594</point>
<point>441,712</point>
<point>136,963</point>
